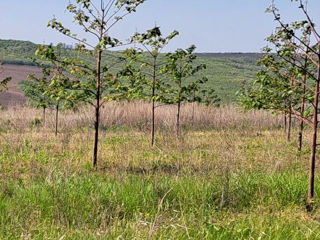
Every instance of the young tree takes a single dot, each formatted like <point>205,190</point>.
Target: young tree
<point>34,89</point>
<point>209,97</point>
<point>47,91</point>
<point>277,87</point>
<point>59,88</point>
<point>148,57</point>
<point>202,94</point>
<point>180,67</point>
<point>3,83</point>
<point>97,21</point>
<point>311,50</point>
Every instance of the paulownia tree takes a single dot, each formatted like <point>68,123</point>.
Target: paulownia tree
<point>150,74</point>
<point>277,88</point>
<point>34,89</point>
<point>202,94</point>
<point>96,20</point>
<point>209,97</point>
<point>180,67</point>
<point>298,66</point>
<point>291,36</point>
<point>44,92</point>
<point>59,87</point>
<point>3,83</point>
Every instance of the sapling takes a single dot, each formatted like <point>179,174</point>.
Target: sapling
<point>180,67</point>
<point>148,58</point>
<point>96,21</point>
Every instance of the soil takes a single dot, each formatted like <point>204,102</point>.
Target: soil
<point>13,97</point>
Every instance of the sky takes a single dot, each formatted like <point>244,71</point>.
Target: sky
<point>212,25</point>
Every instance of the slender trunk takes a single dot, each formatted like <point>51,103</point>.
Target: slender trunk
<point>289,126</point>
<point>57,118</point>
<point>285,122</point>
<point>153,122</point>
<point>97,111</point>
<point>289,115</point>
<point>153,100</point>
<point>193,107</point>
<point>179,105</point>
<point>193,110</point>
<point>44,116</point>
<point>178,120</point>
<point>300,135</point>
<point>314,139</point>
<point>301,125</point>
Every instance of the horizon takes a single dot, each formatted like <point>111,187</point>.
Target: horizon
<point>19,40</point>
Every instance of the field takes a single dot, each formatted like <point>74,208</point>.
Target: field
<point>13,97</point>
<point>232,175</point>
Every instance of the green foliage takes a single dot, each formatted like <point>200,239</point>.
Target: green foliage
<point>82,65</point>
<point>209,97</point>
<point>34,89</point>
<point>3,84</point>
<point>16,52</point>
<point>181,67</point>
<point>283,82</point>
<point>144,70</point>
<point>35,123</point>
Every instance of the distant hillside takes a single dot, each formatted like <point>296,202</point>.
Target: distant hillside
<point>16,52</point>
<point>226,71</point>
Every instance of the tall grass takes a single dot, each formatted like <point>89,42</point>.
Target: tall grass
<point>137,115</point>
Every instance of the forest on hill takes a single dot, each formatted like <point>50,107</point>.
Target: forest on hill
<point>225,71</point>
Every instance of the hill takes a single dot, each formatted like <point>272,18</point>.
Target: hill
<point>226,71</point>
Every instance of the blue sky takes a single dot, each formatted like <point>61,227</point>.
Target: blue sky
<point>212,25</point>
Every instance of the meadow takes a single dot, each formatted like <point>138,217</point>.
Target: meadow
<point>232,175</point>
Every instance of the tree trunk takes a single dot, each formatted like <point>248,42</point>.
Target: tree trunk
<point>300,135</point>
<point>301,126</point>
<point>178,120</point>
<point>193,107</point>
<point>97,111</point>
<point>289,126</point>
<point>153,122</point>
<point>153,100</point>
<point>57,118</point>
<point>285,122</point>
<point>289,115</point>
<point>314,139</point>
<point>193,110</point>
<point>44,116</point>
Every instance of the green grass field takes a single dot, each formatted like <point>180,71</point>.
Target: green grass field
<point>232,183</point>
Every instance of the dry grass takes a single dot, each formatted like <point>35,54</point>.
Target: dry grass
<point>137,115</point>
<point>230,140</point>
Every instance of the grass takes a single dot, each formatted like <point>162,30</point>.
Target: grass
<point>227,181</point>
